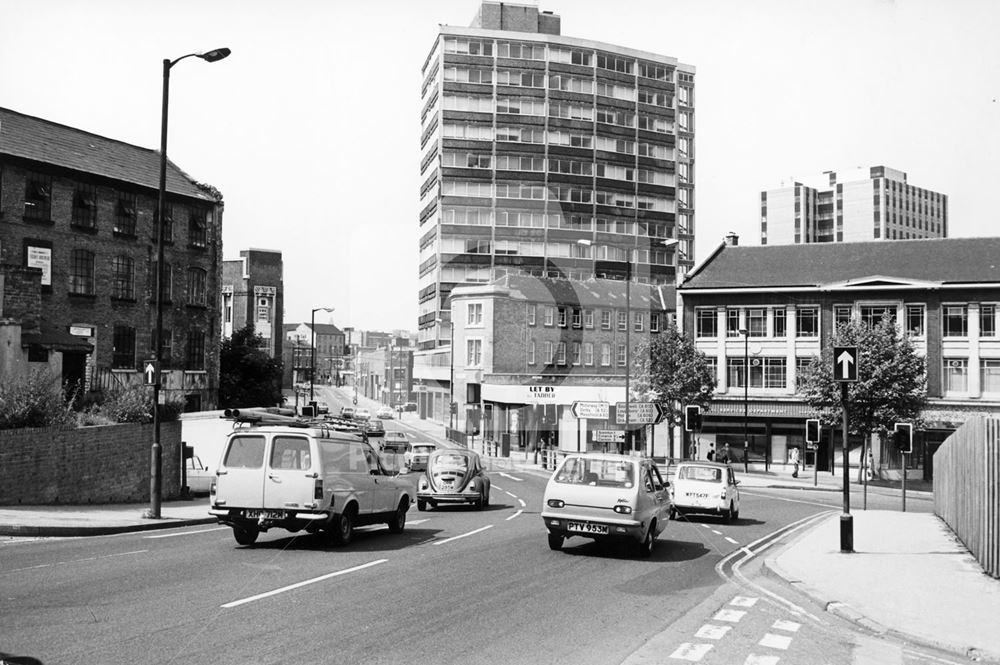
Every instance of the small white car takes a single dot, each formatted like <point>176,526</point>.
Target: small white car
<point>606,497</point>
<point>416,457</point>
<point>385,413</point>
<point>362,414</point>
<point>705,487</point>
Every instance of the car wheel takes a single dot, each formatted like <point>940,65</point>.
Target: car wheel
<point>645,549</point>
<point>486,499</point>
<point>398,520</point>
<point>729,513</point>
<point>481,501</point>
<point>421,505</point>
<point>344,527</point>
<point>555,542</point>
<point>245,536</point>
<point>673,513</point>
<point>736,514</point>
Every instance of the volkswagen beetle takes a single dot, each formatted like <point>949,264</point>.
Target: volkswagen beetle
<point>453,475</point>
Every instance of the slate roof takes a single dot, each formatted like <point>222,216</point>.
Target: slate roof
<point>934,260</point>
<point>39,140</point>
<point>586,293</point>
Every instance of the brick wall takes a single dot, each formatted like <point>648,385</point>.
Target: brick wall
<point>108,464</point>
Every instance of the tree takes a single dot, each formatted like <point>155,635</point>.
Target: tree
<point>891,385</point>
<point>248,375</point>
<point>669,369</point>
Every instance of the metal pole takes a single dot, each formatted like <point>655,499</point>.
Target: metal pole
<point>312,362</point>
<point>628,350</point>
<point>156,454</point>
<point>846,520</point>
<point>451,376</point>
<point>903,456</point>
<point>746,399</point>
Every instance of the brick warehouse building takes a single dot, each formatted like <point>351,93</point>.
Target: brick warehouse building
<point>253,293</point>
<point>79,211</point>
<point>775,307</point>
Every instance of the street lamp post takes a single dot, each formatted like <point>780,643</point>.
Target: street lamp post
<point>156,453</point>
<point>312,346</point>
<point>451,371</point>
<point>746,397</point>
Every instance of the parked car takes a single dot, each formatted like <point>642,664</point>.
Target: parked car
<point>322,407</point>
<point>416,458</point>
<point>385,413</point>
<point>373,427</point>
<point>199,477</point>
<point>453,475</point>
<point>606,497</point>
<point>311,478</point>
<point>362,414</point>
<point>347,411</point>
<point>705,487</point>
<point>410,406</point>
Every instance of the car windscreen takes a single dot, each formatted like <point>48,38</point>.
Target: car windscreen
<point>246,452</point>
<point>709,474</point>
<point>596,472</point>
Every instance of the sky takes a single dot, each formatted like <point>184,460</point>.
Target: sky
<point>311,128</point>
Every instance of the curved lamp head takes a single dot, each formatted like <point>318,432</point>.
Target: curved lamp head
<point>215,55</point>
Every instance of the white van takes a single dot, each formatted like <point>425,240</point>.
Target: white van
<point>305,476</point>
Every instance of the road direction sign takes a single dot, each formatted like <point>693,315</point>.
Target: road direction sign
<point>149,372</point>
<point>609,435</point>
<point>597,410</point>
<point>845,363</point>
<point>639,413</point>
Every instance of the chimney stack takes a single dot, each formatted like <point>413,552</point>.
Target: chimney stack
<point>732,239</point>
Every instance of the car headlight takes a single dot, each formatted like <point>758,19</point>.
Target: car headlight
<point>556,503</point>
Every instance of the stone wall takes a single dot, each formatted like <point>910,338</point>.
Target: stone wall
<point>106,464</point>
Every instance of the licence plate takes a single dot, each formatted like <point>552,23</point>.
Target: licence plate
<point>266,514</point>
<point>697,495</point>
<point>586,527</point>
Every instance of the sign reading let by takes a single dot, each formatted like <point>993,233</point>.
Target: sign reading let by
<point>541,394</point>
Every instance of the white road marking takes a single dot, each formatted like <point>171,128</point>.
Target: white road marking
<point>732,616</point>
<point>761,660</point>
<point>510,495</point>
<point>710,632</point>
<point>275,592</point>
<point>691,652</point>
<point>66,563</point>
<point>507,475</point>
<point>718,533</point>
<point>706,526</point>
<point>470,533</point>
<point>514,515</point>
<point>747,551</point>
<point>776,641</point>
<point>186,533</point>
<point>523,504</point>
<point>496,487</point>
<point>732,541</point>
<point>744,601</point>
<point>790,626</point>
<point>426,519</point>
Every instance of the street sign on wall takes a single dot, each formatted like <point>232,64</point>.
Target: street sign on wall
<point>596,410</point>
<point>639,413</point>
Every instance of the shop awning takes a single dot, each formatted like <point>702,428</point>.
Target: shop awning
<point>49,336</point>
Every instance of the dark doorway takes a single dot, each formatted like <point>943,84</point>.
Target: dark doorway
<point>74,372</point>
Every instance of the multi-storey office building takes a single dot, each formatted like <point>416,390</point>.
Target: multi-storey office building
<point>762,313</point>
<point>533,141</point>
<point>870,204</point>
<point>253,294</point>
<point>81,210</point>
<point>527,348</point>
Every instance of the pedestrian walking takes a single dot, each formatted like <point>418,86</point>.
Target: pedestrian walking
<point>793,457</point>
<point>711,452</point>
<point>725,455</point>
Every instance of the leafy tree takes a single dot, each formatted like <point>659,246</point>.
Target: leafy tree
<point>248,375</point>
<point>891,385</point>
<point>669,369</point>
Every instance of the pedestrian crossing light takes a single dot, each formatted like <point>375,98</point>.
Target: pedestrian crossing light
<point>812,431</point>
<point>903,437</point>
<point>692,418</point>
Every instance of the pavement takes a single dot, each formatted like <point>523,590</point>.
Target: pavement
<point>909,576</point>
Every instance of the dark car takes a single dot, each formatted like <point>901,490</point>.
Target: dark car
<point>454,475</point>
<point>373,427</point>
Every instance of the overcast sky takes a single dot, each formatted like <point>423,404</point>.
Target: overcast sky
<point>311,127</point>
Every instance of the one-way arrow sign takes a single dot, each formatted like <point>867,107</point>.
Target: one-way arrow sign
<point>149,372</point>
<point>845,363</point>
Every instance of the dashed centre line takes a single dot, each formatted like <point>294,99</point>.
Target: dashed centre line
<point>303,583</point>
<point>464,535</point>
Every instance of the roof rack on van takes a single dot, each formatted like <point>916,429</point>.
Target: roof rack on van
<point>257,417</point>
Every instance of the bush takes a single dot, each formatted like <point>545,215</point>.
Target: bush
<point>133,404</point>
<point>35,401</point>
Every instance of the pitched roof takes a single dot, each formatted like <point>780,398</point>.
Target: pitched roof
<point>931,260</point>
<point>39,140</point>
<point>325,329</point>
<point>584,293</point>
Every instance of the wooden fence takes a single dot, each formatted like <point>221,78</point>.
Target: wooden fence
<point>967,488</point>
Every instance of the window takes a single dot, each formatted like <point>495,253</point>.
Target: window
<point>807,322</point>
<point>561,353</point>
<point>197,281</point>
<point>605,354</point>
<point>577,317</point>
<point>195,359</point>
<point>987,321</point>
<point>638,322</point>
<point>123,351</point>
<point>915,320</point>
<point>989,375</point>
<point>550,314</point>
<point>780,324</point>
<point>38,197</point>
<point>475,314</point>
<point>872,315</point>
<point>764,372</point>
<point>757,322</point>
<point>605,319</point>
<point>622,320</point>
<point>548,353</point>
<point>588,354</point>
<point>531,314</point>
<point>562,316</point>
<point>473,352</point>
<point>85,206</point>
<point>774,373</point>
<point>197,228</point>
<point>620,359</point>
<point>841,315</point>
<point>123,278</point>
<point>654,322</point>
<point>125,214</point>
<point>577,353</point>
<point>955,320</point>
<point>81,272</point>
<point>706,323</point>
<point>956,375</point>
<point>588,318</point>
<point>732,322</point>
<point>531,352</point>
<point>291,453</point>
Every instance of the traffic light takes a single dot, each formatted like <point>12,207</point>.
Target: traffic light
<point>903,437</point>
<point>692,418</point>
<point>812,430</point>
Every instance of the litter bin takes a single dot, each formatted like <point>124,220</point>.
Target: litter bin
<point>505,444</point>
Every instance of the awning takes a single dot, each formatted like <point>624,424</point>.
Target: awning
<point>51,337</point>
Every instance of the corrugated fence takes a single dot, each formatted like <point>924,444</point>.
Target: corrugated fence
<point>967,488</point>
